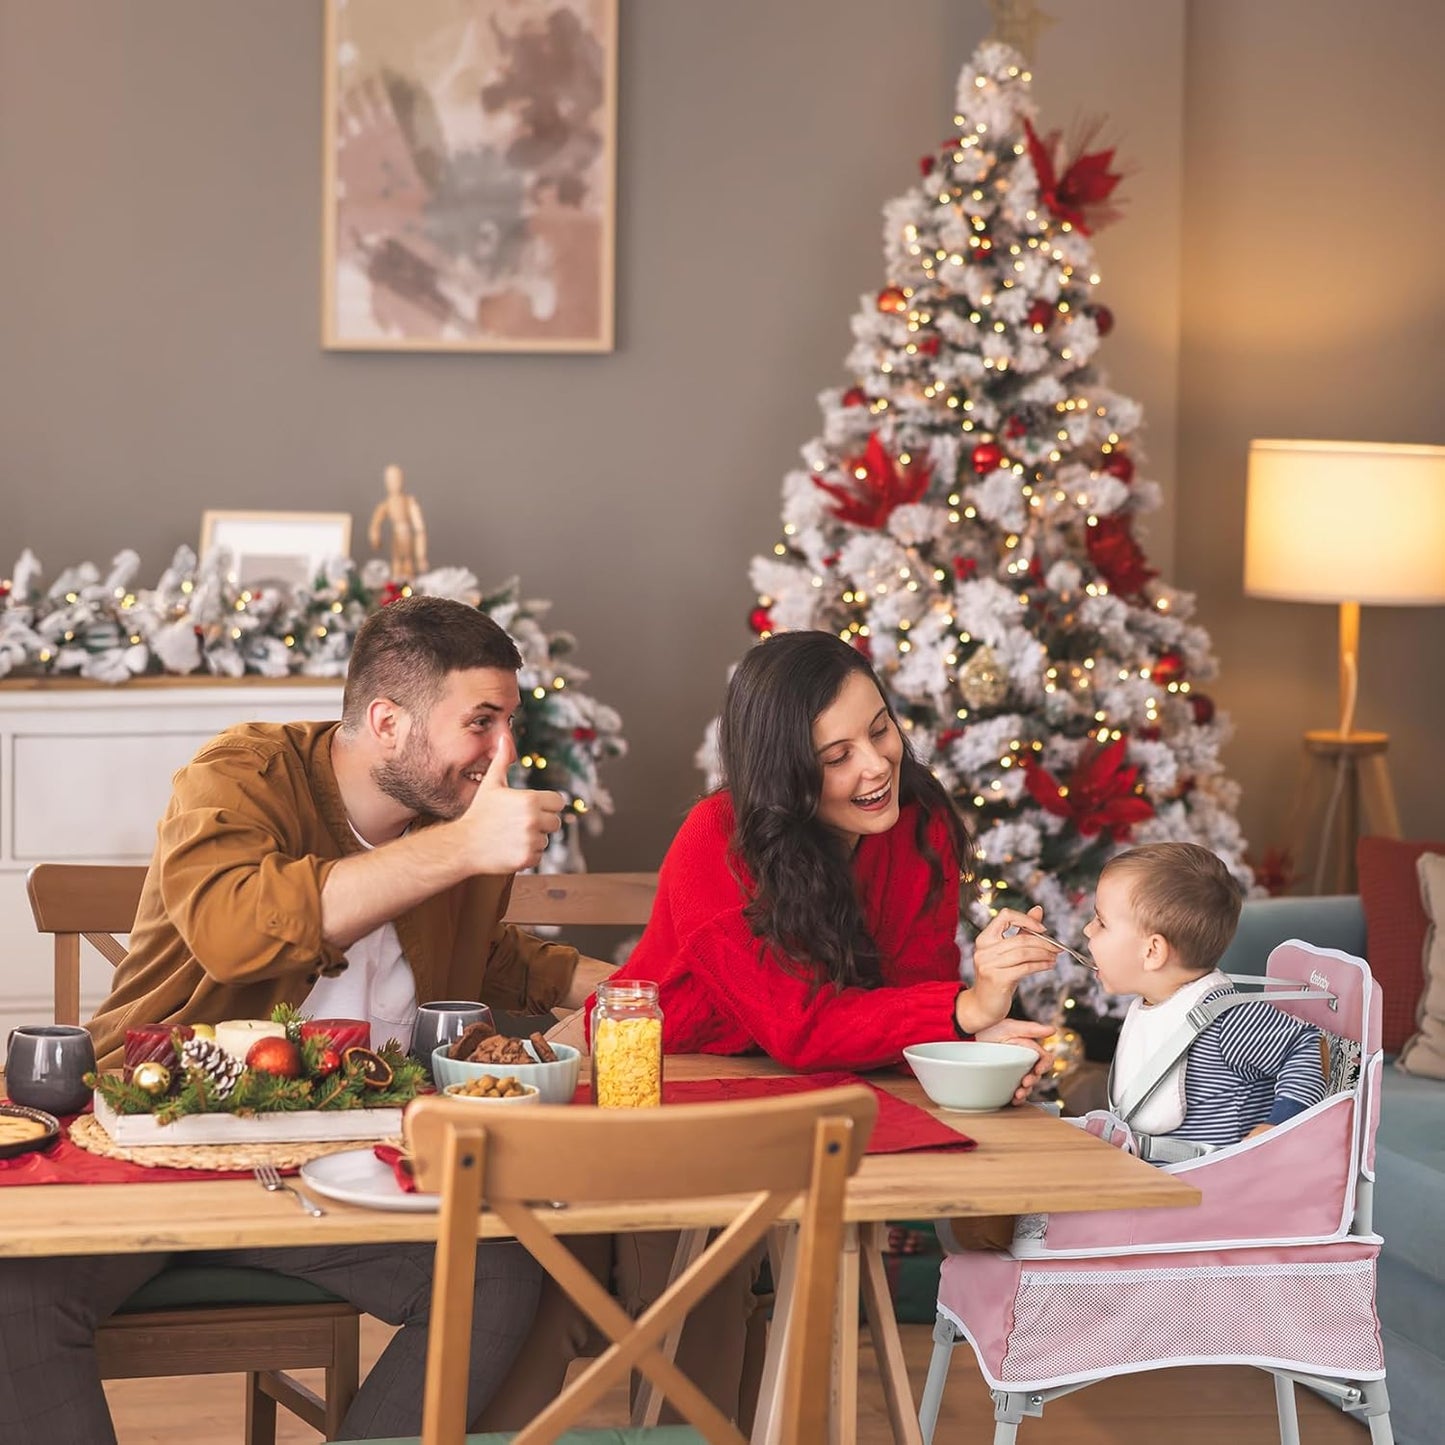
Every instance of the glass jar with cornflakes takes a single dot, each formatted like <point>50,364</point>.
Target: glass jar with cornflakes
<point>627,1046</point>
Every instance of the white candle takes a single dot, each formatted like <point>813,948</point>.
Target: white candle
<point>236,1036</point>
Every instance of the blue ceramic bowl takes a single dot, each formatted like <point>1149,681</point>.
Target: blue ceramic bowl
<point>556,1083</point>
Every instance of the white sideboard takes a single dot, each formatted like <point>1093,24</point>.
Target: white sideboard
<point>85,773</point>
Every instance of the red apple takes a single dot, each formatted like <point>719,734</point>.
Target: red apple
<point>275,1056</point>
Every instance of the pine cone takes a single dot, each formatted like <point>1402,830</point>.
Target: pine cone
<point>201,1056</point>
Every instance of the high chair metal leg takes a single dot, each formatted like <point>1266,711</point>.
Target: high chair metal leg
<point>1285,1408</point>
<point>1376,1411</point>
<point>945,1337</point>
<point>1008,1412</point>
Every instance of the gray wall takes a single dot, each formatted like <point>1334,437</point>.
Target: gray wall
<point>1314,306</point>
<point>160,280</point>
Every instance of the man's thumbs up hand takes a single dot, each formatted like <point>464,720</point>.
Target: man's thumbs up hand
<point>505,829</point>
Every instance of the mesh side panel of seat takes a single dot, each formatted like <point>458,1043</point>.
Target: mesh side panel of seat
<point>1093,1323</point>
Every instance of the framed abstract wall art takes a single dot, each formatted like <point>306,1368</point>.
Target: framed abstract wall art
<point>277,547</point>
<point>470,159</point>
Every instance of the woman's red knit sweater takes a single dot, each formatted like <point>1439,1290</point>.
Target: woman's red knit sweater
<point>723,992</point>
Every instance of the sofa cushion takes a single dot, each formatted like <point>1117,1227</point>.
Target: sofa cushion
<point>1424,1051</point>
<point>1395,925</point>
<point>1410,1172</point>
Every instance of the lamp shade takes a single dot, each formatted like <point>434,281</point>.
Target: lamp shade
<point>1345,522</point>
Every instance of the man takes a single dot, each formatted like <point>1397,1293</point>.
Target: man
<point>350,869</point>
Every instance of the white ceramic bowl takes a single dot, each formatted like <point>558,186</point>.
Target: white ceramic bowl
<point>530,1095</point>
<point>969,1077</point>
<point>556,1083</point>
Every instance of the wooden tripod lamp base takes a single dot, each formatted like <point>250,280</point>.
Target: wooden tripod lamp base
<point>1345,793</point>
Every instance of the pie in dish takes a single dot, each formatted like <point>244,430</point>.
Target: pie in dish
<point>23,1129</point>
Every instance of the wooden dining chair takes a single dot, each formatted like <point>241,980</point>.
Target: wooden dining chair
<point>171,1326</point>
<point>764,1153</point>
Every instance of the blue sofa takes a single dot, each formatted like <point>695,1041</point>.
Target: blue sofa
<point>1410,1175</point>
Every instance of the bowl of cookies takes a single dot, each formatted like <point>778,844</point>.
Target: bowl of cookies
<point>494,1089</point>
<point>552,1069</point>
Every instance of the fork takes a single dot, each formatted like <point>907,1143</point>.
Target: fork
<point>269,1179</point>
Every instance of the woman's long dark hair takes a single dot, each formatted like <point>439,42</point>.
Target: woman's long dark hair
<point>804,900</point>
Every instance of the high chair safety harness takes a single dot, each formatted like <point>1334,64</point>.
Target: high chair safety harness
<point>1168,1148</point>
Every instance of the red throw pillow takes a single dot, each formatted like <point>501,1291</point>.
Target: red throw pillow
<point>1395,926</point>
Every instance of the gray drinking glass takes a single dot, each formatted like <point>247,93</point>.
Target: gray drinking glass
<point>440,1023</point>
<point>46,1065</point>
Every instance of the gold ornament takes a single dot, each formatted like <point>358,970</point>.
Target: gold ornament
<point>1067,1051</point>
<point>154,1078</point>
<point>981,680</point>
<point>1020,23</point>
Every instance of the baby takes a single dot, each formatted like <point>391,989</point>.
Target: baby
<point>1163,915</point>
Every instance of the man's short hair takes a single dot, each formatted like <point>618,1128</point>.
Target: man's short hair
<point>1184,893</point>
<point>406,650</point>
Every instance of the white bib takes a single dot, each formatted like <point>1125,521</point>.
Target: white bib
<point>1147,1028</point>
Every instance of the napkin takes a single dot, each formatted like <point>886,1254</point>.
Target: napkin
<point>399,1163</point>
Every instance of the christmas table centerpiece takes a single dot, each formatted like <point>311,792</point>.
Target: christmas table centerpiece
<point>256,1080</point>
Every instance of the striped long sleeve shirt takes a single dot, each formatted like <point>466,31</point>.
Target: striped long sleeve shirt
<point>1254,1064</point>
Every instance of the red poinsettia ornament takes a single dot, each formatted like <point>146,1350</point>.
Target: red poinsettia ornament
<point>1100,796</point>
<point>1118,557</point>
<point>1074,192</point>
<point>877,485</point>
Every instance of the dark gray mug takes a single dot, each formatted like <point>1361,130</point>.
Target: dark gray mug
<point>46,1065</point>
<point>440,1023</point>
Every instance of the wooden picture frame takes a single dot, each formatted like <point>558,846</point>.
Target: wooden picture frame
<point>286,548</point>
<point>470,175</point>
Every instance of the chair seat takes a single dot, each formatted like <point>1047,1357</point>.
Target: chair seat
<point>658,1435</point>
<point>192,1286</point>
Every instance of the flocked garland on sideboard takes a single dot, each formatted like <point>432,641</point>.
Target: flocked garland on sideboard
<point>195,621</point>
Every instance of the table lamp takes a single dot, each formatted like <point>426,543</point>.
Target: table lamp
<point>1347,523</point>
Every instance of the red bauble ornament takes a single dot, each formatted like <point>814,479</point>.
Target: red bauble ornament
<point>584,735</point>
<point>1103,319</point>
<point>1149,734</point>
<point>855,396</point>
<point>891,299</point>
<point>760,620</point>
<point>1014,428</point>
<point>1168,667</point>
<point>1203,706</point>
<point>986,458</point>
<point>925,165</point>
<point>1041,313</point>
<point>964,567</point>
<point>275,1056</point>
<point>327,1062</point>
<point>392,592</point>
<point>928,346</point>
<point>1121,465</point>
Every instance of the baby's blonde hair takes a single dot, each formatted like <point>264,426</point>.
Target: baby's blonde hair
<point>1184,893</point>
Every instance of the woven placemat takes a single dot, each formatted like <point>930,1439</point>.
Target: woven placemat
<point>89,1133</point>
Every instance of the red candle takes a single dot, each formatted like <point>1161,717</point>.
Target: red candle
<point>341,1034</point>
<point>153,1042</point>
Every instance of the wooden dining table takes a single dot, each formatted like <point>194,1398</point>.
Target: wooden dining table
<point>1026,1161</point>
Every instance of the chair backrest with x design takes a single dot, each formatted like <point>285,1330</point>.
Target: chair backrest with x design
<point>770,1151</point>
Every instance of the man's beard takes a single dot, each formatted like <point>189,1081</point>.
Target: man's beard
<point>412,780</point>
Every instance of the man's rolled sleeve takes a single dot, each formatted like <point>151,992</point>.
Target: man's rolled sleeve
<point>524,974</point>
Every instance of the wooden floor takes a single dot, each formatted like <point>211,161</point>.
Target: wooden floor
<point>1190,1407</point>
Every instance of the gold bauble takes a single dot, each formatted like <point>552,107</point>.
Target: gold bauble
<point>981,680</point>
<point>154,1078</point>
<point>1066,1049</point>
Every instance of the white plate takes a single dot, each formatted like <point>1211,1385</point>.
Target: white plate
<point>357,1176</point>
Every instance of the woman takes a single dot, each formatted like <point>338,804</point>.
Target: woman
<point>809,909</point>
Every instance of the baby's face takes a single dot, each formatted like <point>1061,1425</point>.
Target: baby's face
<point>1115,939</point>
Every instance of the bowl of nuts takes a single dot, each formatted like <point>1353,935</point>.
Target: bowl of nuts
<point>481,1052</point>
<point>492,1089</point>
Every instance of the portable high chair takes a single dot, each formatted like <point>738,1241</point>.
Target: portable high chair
<point>1275,1268</point>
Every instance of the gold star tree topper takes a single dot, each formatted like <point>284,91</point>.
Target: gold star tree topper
<point>1019,23</point>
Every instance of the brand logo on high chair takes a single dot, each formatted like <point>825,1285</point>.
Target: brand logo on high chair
<point>1318,979</point>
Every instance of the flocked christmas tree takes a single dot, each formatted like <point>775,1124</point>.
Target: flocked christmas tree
<point>967,519</point>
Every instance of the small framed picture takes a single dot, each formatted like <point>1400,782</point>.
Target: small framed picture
<point>288,548</point>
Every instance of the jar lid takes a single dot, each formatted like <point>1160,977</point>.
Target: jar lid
<point>628,990</point>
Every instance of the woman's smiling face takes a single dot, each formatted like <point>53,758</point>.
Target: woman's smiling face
<point>859,753</point>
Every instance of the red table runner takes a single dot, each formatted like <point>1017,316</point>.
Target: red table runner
<point>67,1163</point>
<point>901,1127</point>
